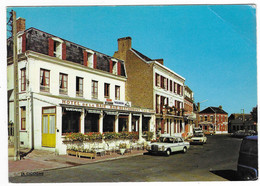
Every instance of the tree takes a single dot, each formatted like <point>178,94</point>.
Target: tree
<point>254,114</point>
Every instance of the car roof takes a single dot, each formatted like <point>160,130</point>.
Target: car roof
<point>251,137</point>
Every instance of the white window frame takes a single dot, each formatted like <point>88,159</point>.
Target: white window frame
<point>58,50</point>
<point>90,57</point>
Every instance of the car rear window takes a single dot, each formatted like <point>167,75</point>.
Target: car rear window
<point>249,146</point>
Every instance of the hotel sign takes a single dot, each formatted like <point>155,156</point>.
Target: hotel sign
<point>105,106</point>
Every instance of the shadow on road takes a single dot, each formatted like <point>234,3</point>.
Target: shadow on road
<point>230,175</point>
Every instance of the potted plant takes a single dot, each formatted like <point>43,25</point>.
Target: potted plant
<point>122,148</point>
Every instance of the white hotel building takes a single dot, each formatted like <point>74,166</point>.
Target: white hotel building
<point>65,87</point>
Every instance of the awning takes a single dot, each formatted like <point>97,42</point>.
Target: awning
<point>138,115</point>
<point>111,113</point>
<point>94,111</point>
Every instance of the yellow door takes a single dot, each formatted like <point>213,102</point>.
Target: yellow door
<point>48,130</point>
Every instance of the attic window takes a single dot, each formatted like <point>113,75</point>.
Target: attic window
<point>114,67</point>
<point>57,48</point>
<point>89,58</point>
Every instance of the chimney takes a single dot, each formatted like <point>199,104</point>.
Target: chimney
<point>159,60</point>
<point>220,107</point>
<point>20,24</point>
<point>124,44</point>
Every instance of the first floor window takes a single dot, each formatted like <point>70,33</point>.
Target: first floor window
<point>23,118</point>
<point>117,92</point>
<point>45,80</point>
<point>79,86</point>
<point>63,83</point>
<point>106,90</point>
<point>94,89</point>
<point>23,79</point>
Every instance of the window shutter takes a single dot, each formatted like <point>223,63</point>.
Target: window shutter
<point>51,47</point>
<point>110,66</point>
<point>85,58</point>
<point>155,79</point>
<point>118,68</point>
<point>95,60</point>
<point>167,82</point>
<point>174,87</point>
<point>64,51</point>
<point>24,42</point>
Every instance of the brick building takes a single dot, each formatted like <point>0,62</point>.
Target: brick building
<point>152,85</point>
<point>213,119</point>
<point>189,115</point>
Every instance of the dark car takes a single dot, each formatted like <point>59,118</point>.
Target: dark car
<point>247,167</point>
<point>243,133</point>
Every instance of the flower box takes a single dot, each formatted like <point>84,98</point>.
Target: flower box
<point>87,154</point>
<point>72,152</point>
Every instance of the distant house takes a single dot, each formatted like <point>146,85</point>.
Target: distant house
<point>238,121</point>
<point>213,119</point>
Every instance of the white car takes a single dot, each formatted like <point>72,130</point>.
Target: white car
<point>198,138</point>
<point>167,145</point>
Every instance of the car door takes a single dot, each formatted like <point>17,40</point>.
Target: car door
<point>180,144</point>
<point>175,145</point>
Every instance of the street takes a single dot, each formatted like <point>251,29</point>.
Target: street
<point>214,161</point>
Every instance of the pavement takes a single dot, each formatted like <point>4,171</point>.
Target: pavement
<point>38,161</point>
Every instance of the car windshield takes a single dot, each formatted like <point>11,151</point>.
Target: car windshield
<point>198,134</point>
<point>166,140</point>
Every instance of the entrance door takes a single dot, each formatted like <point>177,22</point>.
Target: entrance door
<point>48,127</point>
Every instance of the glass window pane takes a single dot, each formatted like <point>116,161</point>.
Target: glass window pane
<point>45,124</point>
<point>52,124</point>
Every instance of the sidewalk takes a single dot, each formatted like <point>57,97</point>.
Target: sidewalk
<point>40,160</point>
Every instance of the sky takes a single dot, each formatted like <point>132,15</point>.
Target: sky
<point>212,46</point>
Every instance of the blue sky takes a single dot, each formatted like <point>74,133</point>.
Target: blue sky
<point>213,47</point>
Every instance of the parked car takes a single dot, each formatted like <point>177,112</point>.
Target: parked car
<point>198,138</point>
<point>247,166</point>
<point>243,133</point>
<point>167,145</point>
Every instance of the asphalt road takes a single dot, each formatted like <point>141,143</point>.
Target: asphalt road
<point>214,161</point>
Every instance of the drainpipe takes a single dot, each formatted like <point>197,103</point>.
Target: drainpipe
<point>29,95</point>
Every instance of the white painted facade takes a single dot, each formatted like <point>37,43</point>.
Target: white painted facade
<point>172,127</point>
<point>35,100</point>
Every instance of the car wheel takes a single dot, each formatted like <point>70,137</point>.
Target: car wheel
<point>168,152</point>
<point>184,149</point>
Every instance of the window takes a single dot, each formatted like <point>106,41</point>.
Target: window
<point>157,79</point>
<point>44,80</point>
<point>114,71</point>
<point>23,118</point>
<point>94,89</point>
<point>57,49</point>
<point>157,104</point>
<point>79,86</point>
<point>211,118</point>
<point>63,83</point>
<point>88,58</point>
<point>106,90</point>
<point>23,79</point>
<point>175,87</point>
<point>206,118</point>
<point>171,85</point>
<point>117,92</point>
<point>201,118</point>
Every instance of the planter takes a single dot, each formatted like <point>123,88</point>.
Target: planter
<point>87,154</point>
<point>122,151</point>
<point>72,152</point>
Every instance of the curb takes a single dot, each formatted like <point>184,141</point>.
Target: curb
<point>15,174</point>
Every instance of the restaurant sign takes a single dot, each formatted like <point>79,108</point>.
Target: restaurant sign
<point>104,106</point>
